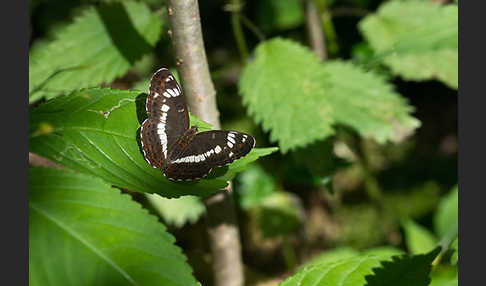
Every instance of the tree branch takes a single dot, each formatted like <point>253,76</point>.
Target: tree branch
<point>201,98</point>
<point>191,60</point>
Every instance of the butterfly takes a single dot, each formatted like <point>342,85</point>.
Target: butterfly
<point>169,144</point>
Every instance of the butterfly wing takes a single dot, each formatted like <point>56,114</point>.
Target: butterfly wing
<point>167,118</point>
<point>206,151</point>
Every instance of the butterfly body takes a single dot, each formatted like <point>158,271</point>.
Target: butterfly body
<point>179,151</point>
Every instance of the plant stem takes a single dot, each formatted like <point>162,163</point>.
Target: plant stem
<point>252,27</point>
<point>314,30</point>
<point>289,255</point>
<point>200,94</point>
<point>237,29</point>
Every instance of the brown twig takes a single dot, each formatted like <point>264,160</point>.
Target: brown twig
<point>201,98</point>
<point>314,29</point>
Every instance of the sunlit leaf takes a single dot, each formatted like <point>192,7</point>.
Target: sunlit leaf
<point>83,232</point>
<point>96,131</point>
<point>446,218</point>
<point>348,271</point>
<point>99,46</point>
<point>418,239</point>
<point>178,211</point>
<point>341,253</point>
<point>417,39</point>
<point>298,99</point>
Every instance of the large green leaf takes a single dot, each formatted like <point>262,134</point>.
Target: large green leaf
<point>83,232</point>
<point>366,102</point>
<point>96,131</point>
<point>446,218</point>
<point>381,268</point>
<point>417,39</point>
<point>99,46</point>
<point>341,253</point>
<point>349,271</point>
<point>417,238</point>
<point>333,255</point>
<point>298,99</point>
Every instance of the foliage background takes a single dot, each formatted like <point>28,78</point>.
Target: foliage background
<point>367,141</point>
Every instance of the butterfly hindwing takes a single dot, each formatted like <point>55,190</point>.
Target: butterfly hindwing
<point>167,120</point>
<point>208,150</point>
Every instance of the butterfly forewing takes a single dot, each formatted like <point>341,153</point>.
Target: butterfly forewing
<point>209,150</point>
<point>167,117</point>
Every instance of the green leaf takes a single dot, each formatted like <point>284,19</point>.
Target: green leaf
<point>96,131</point>
<point>417,238</point>
<point>298,99</point>
<point>279,213</point>
<point>319,159</point>
<point>404,270</point>
<point>178,211</point>
<point>276,212</point>
<point>413,201</point>
<point>386,251</point>
<point>417,39</point>
<point>240,164</point>
<point>349,271</point>
<point>279,15</point>
<point>333,255</point>
<point>99,46</point>
<point>341,253</point>
<point>83,232</point>
<point>366,102</point>
<point>255,185</point>
<point>282,88</point>
<point>455,248</point>
<point>446,217</point>
<point>443,275</point>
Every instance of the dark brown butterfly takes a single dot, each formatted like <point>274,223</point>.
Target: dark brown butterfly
<point>179,151</point>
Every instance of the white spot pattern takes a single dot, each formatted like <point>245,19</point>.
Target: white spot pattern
<point>171,91</point>
<point>217,149</point>
<point>198,158</point>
